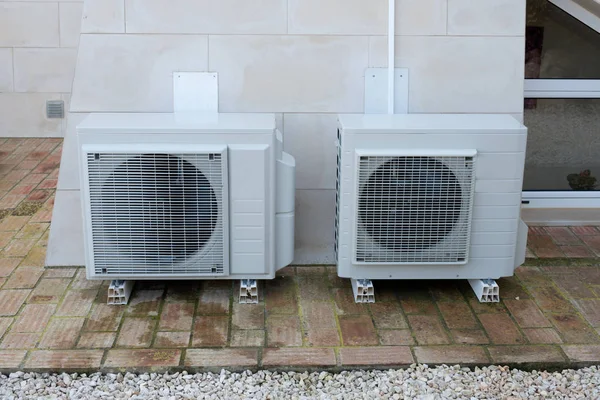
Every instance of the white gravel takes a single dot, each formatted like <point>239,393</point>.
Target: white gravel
<point>417,382</point>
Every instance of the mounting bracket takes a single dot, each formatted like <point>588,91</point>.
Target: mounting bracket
<point>195,93</point>
<point>486,290</point>
<point>248,291</point>
<point>363,290</point>
<point>376,91</point>
<point>119,292</point>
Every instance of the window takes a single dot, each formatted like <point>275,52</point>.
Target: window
<point>562,103</point>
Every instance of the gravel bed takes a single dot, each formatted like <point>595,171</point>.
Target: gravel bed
<point>417,382</point>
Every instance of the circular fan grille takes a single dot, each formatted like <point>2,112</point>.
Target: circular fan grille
<point>410,203</point>
<point>172,209</point>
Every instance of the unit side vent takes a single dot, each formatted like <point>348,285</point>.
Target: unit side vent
<point>156,213</point>
<point>414,209</point>
<point>338,194</point>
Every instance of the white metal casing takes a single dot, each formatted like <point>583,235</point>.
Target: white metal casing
<point>497,236</point>
<point>258,177</point>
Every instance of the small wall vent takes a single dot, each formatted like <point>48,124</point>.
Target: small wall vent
<point>55,109</point>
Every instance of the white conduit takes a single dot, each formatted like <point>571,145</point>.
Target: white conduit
<point>391,55</point>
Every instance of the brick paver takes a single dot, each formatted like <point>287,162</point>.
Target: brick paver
<point>378,356</point>
<point>221,358</point>
<point>574,329</point>
<point>145,303</point>
<point>210,331</point>
<point>428,329</point>
<point>142,358</point>
<point>34,318</point>
<point>525,354</point>
<point>61,359</point>
<point>248,338</point>
<point>280,296</point>
<point>248,316</point>
<point>319,323</point>
<point>177,317</point>
<point>136,332</point>
<point>24,278</point>
<point>55,319</point>
<point>104,318</point>
<point>388,315</point>
<point>307,357</point>
<point>283,331</point>
<point>469,336</point>
<point>357,330</point>
<point>12,300</point>
<point>96,340</point>
<point>396,337</point>
<point>450,355</point>
<point>542,336</point>
<point>214,302</point>
<point>62,333</point>
<point>49,290</point>
<point>172,339</point>
<point>8,265</point>
<point>527,314</point>
<point>11,359</point>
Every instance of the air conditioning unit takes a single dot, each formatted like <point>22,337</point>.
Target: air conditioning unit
<point>423,196</point>
<point>166,197</point>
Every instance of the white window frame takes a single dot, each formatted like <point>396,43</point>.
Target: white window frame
<point>562,89</point>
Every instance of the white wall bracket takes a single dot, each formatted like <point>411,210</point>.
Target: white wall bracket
<point>486,290</point>
<point>195,93</point>
<point>248,291</point>
<point>376,91</point>
<point>119,292</point>
<point>363,289</point>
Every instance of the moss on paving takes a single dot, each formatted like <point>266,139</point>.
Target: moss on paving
<point>4,213</point>
<point>27,208</point>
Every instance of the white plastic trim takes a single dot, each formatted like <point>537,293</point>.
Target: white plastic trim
<point>119,292</point>
<point>584,15</point>
<point>391,56</point>
<point>486,290</point>
<point>195,92</point>
<point>562,88</point>
<point>248,291</point>
<point>363,290</point>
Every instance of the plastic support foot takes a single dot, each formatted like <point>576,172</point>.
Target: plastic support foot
<point>119,292</point>
<point>363,289</point>
<point>486,290</point>
<point>248,291</point>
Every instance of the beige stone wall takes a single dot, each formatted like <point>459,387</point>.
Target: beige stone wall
<point>38,50</point>
<point>302,59</point>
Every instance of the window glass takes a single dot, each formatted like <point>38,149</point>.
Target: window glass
<point>563,147</point>
<point>559,45</point>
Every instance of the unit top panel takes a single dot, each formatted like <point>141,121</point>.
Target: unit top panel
<point>426,123</point>
<point>177,123</point>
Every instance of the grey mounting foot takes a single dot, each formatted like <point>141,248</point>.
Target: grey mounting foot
<point>363,289</point>
<point>248,291</point>
<point>486,290</point>
<point>119,292</point>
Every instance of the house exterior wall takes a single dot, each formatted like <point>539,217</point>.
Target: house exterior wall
<point>302,59</point>
<point>38,49</point>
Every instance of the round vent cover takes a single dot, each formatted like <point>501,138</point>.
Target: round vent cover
<point>410,204</point>
<point>170,213</point>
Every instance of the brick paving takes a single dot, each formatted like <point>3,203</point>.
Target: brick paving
<point>54,319</point>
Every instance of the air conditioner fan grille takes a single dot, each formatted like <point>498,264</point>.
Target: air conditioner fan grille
<point>156,213</point>
<point>414,209</point>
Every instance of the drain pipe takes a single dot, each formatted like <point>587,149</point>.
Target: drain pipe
<point>391,55</point>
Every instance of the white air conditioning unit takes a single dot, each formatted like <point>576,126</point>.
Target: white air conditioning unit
<point>185,198</point>
<point>424,196</point>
